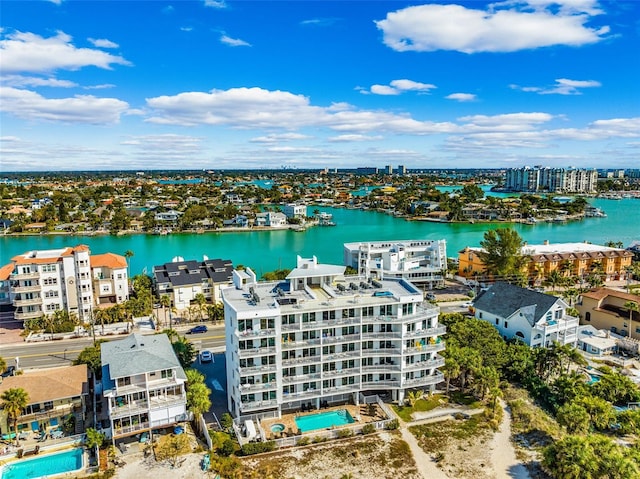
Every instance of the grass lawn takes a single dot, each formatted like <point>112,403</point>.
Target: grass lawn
<point>427,404</point>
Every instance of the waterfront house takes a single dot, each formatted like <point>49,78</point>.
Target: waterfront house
<point>109,273</point>
<point>569,259</point>
<point>183,280</point>
<point>293,210</point>
<point>535,318</point>
<point>44,281</point>
<point>271,218</point>
<point>168,217</point>
<point>596,341</point>
<point>56,395</point>
<point>423,262</point>
<point>143,385</point>
<point>320,337</point>
<point>605,308</point>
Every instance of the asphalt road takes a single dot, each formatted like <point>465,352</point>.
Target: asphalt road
<point>48,354</point>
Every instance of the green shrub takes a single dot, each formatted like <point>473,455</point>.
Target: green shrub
<point>368,429</point>
<point>318,439</point>
<point>258,447</point>
<point>393,425</point>
<point>342,433</point>
<point>303,441</point>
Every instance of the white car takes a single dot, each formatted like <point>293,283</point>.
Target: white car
<point>206,357</point>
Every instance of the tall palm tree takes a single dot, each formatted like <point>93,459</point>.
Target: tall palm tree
<point>631,306</point>
<point>14,401</point>
<point>128,254</point>
<point>165,301</point>
<point>201,301</point>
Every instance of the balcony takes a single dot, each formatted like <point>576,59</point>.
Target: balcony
<point>341,355</point>
<point>341,339</point>
<point>250,370</point>
<point>19,276</point>
<point>121,431</point>
<point>129,409</point>
<point>339,322</point>
<point>50,413</point>
<point>251,353</point>
<point>382,368</point>
<point>257,387</point>
<point>556,326</point>
<point>303,360</point>
<point>26,302</point>
<point>381,352</point>
<point>300,378</point>
<point>260,333</point>
<point>286,345</point>
<point>375,384</point>
<point>301,395</point>
<point>437,331</point>
<point>253,405</point>
<point>291,327</point>
<point>432,363</point>
<point>28,315</point>
<point>427,348</point>
<point>338,373</point>
<point>346,388</point>
<point>436,378</point>
<point>382,335</point>
<point>26,289</point>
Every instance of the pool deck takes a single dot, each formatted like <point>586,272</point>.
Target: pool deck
<point>359,413</point>
<point>12,458</point>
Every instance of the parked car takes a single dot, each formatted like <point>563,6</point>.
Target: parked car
<point>206,357</point>
<point>198,329</point>
<point>9,372</point>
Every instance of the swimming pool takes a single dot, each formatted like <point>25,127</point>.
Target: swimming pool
<point>47,465</point>
<point>323,420</point>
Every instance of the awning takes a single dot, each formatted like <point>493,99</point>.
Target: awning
<point>35,426</point>
<point>53,422</point>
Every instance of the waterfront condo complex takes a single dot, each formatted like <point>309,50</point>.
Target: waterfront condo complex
<point>320,337</point>
<point>553,180</point>
<point>41,282</point>
<point>422,262</point>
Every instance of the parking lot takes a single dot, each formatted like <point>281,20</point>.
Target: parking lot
<point>216,379</point>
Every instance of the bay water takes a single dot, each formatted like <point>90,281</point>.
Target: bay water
<point>269,250</point>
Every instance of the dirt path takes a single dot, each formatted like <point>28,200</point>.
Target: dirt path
<point>503,454</point>
<point>424,462</point>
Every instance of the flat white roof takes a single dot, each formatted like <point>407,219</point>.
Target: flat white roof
<point>533,249</point>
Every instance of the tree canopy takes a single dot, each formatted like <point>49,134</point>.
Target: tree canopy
<point>502,253</point>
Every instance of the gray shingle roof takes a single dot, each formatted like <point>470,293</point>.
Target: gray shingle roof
<point>184,273</point>
<point>503,299</point>
<point>138,354</point>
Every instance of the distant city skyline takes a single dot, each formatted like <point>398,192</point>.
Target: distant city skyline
<point>211,84</point>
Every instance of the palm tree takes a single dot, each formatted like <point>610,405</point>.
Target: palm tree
<point>165,301</point>
<point>3,365</point>
<point>200,300</point>
<point>14,401</point>
<point>128,254</point>
<point>631,306</point>
<point>554,279</point>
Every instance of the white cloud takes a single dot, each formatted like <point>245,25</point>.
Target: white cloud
<point>28,52</point>
<point>103,86</point>
<point>454,27</point>
<point>461,97</point>
<point>505,122</point>
<point>30,105</point>
<point>258,108</point>
<point>563,86</point>
<point>22,81</point>
<point>215,3</point>
<point>103,43</point>
<point>320,22</point>
<point>353,138</point>
<point>396,87</point>
<point>56,2</point>
<point>384,90</point>
<point>186,29</point>
<point>233,42</point>
<point>274,138</point>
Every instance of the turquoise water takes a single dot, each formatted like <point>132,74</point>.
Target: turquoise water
<point>41,466</point>
<point>269,250</point>
<point>323,420</point>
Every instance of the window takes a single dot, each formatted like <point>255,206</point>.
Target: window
<point>497,321</point>
<point>328,315</point>
<point>506,325</point>
<point>587,317</point>
<point>166,373</point>
<point>480,315</point>
<point>386,310</point>
<point>368,311</point>
<point>407,308</point>
<point>308,317</point>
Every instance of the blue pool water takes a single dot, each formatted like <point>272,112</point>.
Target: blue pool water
<point>323,420</point>
<point>47,465</point>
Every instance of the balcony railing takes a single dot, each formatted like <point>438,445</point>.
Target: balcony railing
<point>257,387</point>
<point>49,413</point>
<point>300,344</point>
<point>253,405</point>
<point>246,334</point>
<point>438,330</point>
<point>302,360</point>
<point>341,355</point>
<point>250,353</point>
<point>432,363</point>
<point>249,370</point>
<point>427,348</point>
<point>30,275</point>
<point>341,339</point>
<point>339,322</point>
<point>25,289</point>
<point>119,431</point>
<point>382,352</point>
<point>436,378</point>
<point>341,389</point>
<point>381,368</point>
<point>28,315</point>
<point>301,394</point>
<point>300,378</point>
<point>129,409</point>
<point>382,335</point>
<point>26,302</point>
<point>375,384</point>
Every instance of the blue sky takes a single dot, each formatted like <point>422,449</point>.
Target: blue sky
<point>311,84</point>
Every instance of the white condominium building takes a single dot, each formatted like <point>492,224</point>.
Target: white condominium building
<point>44,281</point>
<point>319,337</point>
<point>419,261</point>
